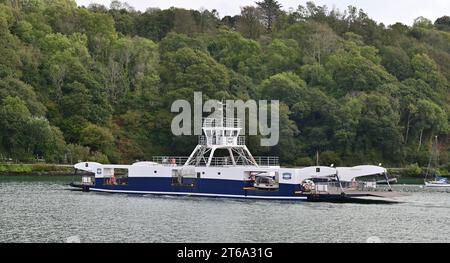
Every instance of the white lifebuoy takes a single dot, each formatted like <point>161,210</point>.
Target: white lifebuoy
<point>308,185</point>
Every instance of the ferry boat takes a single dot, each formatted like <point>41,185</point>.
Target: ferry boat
<point>221,165</point>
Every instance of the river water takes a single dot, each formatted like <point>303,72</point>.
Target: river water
<point>42,209</point>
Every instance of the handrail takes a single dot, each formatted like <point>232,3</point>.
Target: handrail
<point>221,123</point>
<point>203,140</point>
<point>267,160</point>
<point>170,160</point>
<point>217,161</point>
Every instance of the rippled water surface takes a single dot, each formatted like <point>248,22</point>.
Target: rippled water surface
<point>44,210</point>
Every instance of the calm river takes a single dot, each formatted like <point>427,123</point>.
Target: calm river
<point>42,209</point>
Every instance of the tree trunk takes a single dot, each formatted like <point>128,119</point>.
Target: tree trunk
<point>407,128</point>
<point>420,140</point>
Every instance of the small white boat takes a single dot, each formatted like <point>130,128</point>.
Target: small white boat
<point>439,182</point>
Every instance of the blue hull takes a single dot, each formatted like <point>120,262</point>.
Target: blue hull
<point>201,187</point>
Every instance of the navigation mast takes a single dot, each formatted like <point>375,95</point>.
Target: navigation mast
<point>221,133</point>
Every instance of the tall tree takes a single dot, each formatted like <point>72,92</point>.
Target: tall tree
<point>270,10</point>
<point>249,22</point>
<point>184,22</point>
<point>443,23</point>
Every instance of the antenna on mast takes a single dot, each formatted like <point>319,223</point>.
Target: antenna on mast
<point>317,157</point>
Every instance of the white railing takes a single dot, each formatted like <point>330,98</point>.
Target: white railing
<point>227,161</point>
<point>241,140</point>
<point>267,160</point>
<point>170,160</point>
<point>203,140</point>
<point>216,161</point>
<point>221,123</point>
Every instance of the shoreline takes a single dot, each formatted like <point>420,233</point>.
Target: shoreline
<point>36,169</point>
<point>37,174</point>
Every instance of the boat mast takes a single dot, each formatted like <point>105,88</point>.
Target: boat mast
<point>434,151</point>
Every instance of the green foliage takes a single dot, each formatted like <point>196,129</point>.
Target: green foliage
<point>45,140</point>
<point>357,68</point>
<point>328,158</point>
<point>422,22</point>
<point>234,51</point>
<point>98,157</point>
<point>249,22</point>
<point>304,162</point>
<point>288,134</point>
<point>367,127</point>
<point>100,31</point>
<point>44,167</point>
<point>397,62</point>
<point>16,88</point>
<point>28,136</point>
<point>97,83</point>
<point>270,11</point>
<point>15,168</point>
<point>426,69</point>
<point>412,170</point>
<point>443,23</point>
<point>286,87</point>
<point>97,138</point>
<point>14,116</point>
<point>11,59</point>
<point>155,24</point>
<point>316,40</point>
<point>172,42</point>
<point>281,55</point>
<point>77,153</point>
<point>316,75</point>
<point>194,69</point>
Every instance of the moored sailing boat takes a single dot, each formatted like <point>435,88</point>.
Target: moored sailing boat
<point>438,181</point>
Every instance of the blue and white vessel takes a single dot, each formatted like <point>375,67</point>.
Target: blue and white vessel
<point>221,165</point>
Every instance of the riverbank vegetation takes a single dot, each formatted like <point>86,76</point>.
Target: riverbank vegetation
<point>35,169</point>
<point>96,83</point>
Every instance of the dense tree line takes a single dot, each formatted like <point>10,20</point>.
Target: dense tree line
<point>96,82</point>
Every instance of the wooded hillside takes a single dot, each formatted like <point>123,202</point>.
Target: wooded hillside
<point>96,83</point>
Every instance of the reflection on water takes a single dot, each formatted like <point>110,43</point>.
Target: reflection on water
<point>43,210</point>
